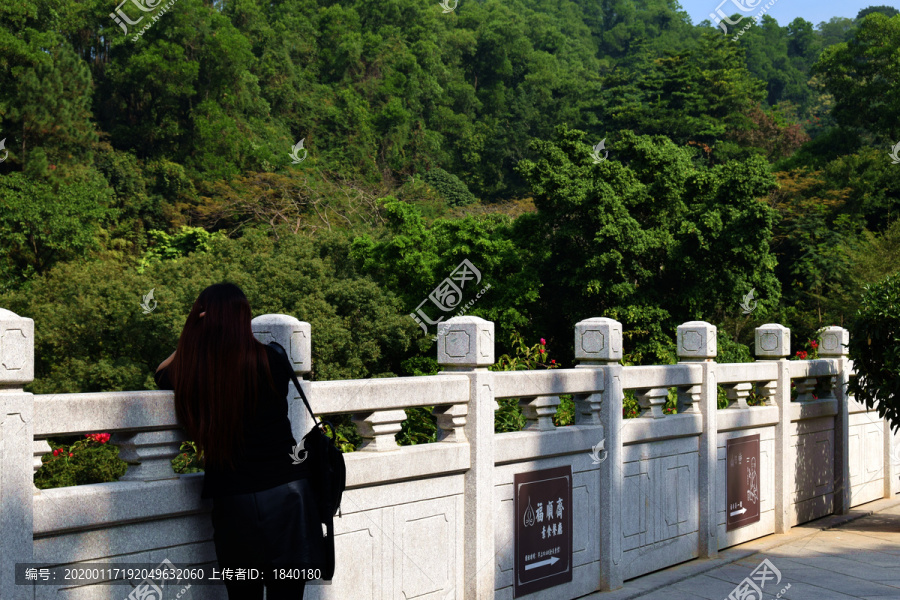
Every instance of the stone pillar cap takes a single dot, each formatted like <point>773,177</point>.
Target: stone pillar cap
<point>696,340</point>
<point>598,339</point>
<point>465,342</point>
<point>772,340</point>
<point>293,334</point>
<point>833,341</point>
<point>16,349</point>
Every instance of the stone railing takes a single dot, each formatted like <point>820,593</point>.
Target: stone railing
<point>436,520</point>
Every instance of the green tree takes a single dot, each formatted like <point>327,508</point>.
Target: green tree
<point>45,92</point>
<point>701,95</point>
<point>649,246</point>
<point>863,75</point>
<point>874,338</point>
<point>103,340</point>
<point>44,223</point>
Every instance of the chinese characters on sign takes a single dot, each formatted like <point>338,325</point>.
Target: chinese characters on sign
<point>543,529</point>
<point>742,480</point>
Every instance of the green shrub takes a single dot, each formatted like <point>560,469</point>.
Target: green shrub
<point>875,349</point>
<point>450,187</point>
<point>509,416</point>
<point>79,461</point>
<point>189,459</point>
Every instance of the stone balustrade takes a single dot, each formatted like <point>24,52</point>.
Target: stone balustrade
<point>435,520</point>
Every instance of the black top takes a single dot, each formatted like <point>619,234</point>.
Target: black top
<point>266,460</point>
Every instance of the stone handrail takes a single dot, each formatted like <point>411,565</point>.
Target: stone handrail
<point>470,466</point>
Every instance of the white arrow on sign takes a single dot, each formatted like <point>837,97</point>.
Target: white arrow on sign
<point>549,561</point>
<point>739,512</point>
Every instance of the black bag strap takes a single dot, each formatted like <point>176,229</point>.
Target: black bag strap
<point>280,350</point>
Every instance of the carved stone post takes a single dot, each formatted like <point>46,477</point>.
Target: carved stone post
<point>697,344</point>
<point>737,394</point>
<point>539,412</point>
<point>773,342</point>
<point>833,344</point>
<point>17,444</point>
<point>378,429</point>
<point>149,454</point>
<point>294,336</point>
<point>598,345</point>
<point>466,347</point>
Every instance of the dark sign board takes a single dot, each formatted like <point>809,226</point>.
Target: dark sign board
<point>742,474</point>
<point>543,529</point>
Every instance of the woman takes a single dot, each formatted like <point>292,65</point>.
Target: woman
<point>231,399</point>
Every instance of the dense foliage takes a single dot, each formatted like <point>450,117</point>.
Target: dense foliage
<point>586,158</point>
<point>874,343</point>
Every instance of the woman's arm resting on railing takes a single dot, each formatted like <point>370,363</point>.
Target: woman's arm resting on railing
<point>166,362</point>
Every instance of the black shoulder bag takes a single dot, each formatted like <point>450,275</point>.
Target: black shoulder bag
<point>329,472</point>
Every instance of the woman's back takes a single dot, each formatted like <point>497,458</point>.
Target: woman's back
<point>264,459</point>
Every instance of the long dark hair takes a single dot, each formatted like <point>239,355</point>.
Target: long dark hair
<point>215,373</point>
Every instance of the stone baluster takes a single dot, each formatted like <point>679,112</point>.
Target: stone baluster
<point>149,454</point>
<point>16,440</point>
<point>539,412</point>
<point>465,346</point>
<point>295,337</point>
<point>652,401</point>
<point>766,390</point>
<point>451,422</point>
<point>696,343</point>
<point>378,429</point>
<point>41,447</point>
<point>805,387</point>
<point>773,342</point>
<point>834,344</point>
<point>737,394</point>
<point>688,401</point>
<point>598,345</point>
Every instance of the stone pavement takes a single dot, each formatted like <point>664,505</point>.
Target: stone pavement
<point>835,558</point>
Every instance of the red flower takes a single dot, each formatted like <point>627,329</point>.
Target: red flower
<point>541,350</point>
<point>543,342</point>
<point>57,451</point>
<point>70,454</point>
<point>814,344</point>
<point>552,361</point>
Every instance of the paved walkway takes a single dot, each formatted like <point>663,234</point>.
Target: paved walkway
<point>835,558</point>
